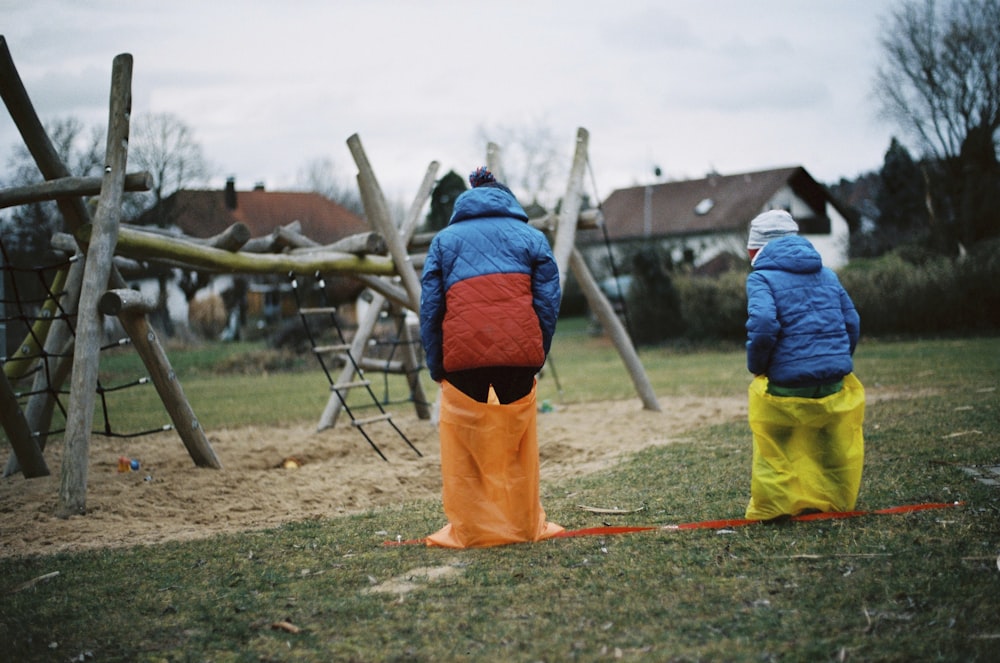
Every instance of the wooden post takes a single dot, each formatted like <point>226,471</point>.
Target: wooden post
<point>570,210</point>
<point>131,308</point>
<point>568,257</point>
<point>97,270</point>
<point>18,434</point>
<point>378,216</point>
<point>367,323</point>
<point>605,313</point>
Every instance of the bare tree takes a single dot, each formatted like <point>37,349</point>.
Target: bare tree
<point>531,159</point>
<point>27,229</point>
<point>323,177</point>
<point>941,74</point>
<point>940,82</point>
<point>163,145</point>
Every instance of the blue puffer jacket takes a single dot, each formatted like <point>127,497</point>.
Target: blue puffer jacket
<point>802,326</point>
<point>490,290</point>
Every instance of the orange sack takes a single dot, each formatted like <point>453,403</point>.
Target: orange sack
<point>489,467</point>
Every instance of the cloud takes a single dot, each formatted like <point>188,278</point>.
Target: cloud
<point>266,86</point>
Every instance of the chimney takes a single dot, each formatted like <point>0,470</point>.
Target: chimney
<point>231,193</point>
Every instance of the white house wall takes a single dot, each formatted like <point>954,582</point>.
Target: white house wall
<point>177,304</point>
<point>833,248</point>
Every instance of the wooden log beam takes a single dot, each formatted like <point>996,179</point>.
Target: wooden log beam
<point>588,219</point>
<point>141,245</point>
<point>410,359</point>
<point>278,239</point>
<point>292,238</point>
<point>494,161</point>
<point>68,186</point>
<point>367,243</point>
<point>127,301</point>
<point>97,270</point>
<point>67,244</point>
<point>385,288</point>
<point>131,308</point>
<point>233,238</point>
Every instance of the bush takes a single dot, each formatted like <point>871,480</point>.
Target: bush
<point>900,293</point>
<point>978,279</point>
<point>714,307</point>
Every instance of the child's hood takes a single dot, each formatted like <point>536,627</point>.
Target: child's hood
<point>487,202</point>
<point>789,254</point>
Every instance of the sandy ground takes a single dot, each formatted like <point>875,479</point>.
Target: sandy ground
<point>169,498</point>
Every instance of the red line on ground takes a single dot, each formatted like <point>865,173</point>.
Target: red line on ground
<point>722,524</point>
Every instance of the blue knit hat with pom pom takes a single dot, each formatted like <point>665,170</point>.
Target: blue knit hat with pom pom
<point>481,176</point>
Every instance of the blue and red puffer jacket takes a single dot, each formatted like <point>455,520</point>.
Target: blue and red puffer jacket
<point>490,289</point>
<point>802,327</point>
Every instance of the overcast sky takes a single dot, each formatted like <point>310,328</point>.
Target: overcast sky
<point>267,87</point>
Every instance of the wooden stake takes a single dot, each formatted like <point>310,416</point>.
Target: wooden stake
<point>97,270</point>
<point>605,313</point>
<point>131,308</point>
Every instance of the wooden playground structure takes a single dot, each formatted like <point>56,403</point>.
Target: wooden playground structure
<point>92,287</point>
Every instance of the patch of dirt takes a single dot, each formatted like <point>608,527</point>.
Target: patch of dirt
<point>168,498</point>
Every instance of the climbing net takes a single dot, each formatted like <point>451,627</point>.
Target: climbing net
<point>31,305</point>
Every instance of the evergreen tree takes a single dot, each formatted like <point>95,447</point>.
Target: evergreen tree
<point>654,305</point>
<point>940,82</point>
<point>901,200</point>
<point>447,190</point>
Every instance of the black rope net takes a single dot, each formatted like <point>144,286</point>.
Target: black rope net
<point>32,302</point>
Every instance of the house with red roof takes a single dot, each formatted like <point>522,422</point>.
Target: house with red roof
<point>704,222</point>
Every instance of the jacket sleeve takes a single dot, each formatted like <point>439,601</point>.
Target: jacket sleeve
<point>852,321</point>
<point>432,313</point>
<point>546,292</point>
<point>762,324</point>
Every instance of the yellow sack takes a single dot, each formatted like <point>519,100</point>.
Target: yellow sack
<point>489,467</point>
<point>807,452</point>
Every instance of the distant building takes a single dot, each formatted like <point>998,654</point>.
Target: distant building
<point>704,223</point>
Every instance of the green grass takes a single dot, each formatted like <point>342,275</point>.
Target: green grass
<point>923,586</point>
<point>582,368</point>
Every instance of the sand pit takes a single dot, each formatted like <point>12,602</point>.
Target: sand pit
<point>168,498</point>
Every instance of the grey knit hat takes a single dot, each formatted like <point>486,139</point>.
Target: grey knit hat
<point>770,225</point>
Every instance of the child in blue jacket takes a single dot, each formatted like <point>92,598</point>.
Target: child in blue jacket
<point>806,405</point>
<point>802,327</point>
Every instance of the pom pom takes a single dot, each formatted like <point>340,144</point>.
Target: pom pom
<point>481,176</point>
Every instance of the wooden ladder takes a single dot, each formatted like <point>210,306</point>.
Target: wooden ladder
<point>341,386</point>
